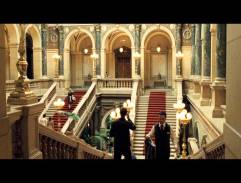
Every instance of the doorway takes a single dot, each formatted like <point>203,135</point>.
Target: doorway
<point>29,56</point>
<point>123,62</point>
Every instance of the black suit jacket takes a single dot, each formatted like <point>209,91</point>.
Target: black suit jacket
<point>120,131</point>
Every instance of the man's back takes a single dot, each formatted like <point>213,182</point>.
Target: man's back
<point>120,132</point>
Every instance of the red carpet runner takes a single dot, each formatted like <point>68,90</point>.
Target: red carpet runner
<point>61,118</point>
<point>157,103</point>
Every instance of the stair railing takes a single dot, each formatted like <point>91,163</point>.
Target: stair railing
<point>136,92</point>
<point>48,98</point>
<point>212,150</point>
<point>55,145</point>
<point>84,110</point>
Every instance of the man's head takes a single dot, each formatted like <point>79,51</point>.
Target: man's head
<point>123,112</point>
<point>163,116</point>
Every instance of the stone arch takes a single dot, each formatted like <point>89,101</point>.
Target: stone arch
<point>67,55</point>
<point>72,32</point>
<point>103,48</point>
<point>159,29</point>
<point>104,39</point>
<point>103,125</point>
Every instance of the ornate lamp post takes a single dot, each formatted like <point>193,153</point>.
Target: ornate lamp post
<point>22,94</point>
<point>185,118</point>
<point>58,104</point>
<point>179,106</point>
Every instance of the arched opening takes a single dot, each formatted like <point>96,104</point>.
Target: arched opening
<point>34,52</point>
<point>158,60</point>
<point>81,64</point>
<point>118,55</point>
<point>29,56</point>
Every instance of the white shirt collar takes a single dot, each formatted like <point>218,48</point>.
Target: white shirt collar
<point>164,125</point>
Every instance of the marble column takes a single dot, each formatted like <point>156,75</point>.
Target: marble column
<point>61,51</point>
<point>137,48</point>
<point>193,50</point>
<point>179,78</point>
<point>219,85</point>
<point>44,34</point>
<point>178,48</point>
<point>206,66</point>
<point>198,55</point>
<point>98,47</point>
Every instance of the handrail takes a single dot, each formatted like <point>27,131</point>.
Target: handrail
<point>212,150</point>
<point>55,145</point>
<point>80,108</point>
<point>136,91</point>
<point>47,98</point>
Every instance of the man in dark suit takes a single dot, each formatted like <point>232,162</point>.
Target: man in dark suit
<point>120,130</point>
<point>162,133</point>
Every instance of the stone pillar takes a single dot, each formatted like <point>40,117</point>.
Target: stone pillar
<point>98,47</point>
<point>206,66</point>
<point>44,34</point>
<point>232,126</point>
<point>104,63</point>
<point>218,86</point>
<point>198,54</point>
<point>37,54</point>
<point>13,48</point>
<point>137,48</point>
<point>61,51</point>
<point>179,78</point>
<point>30,132</point>
<point>5,135</point>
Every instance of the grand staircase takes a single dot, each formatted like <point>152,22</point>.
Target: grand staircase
<point>148,107</point>
<point>59,119</point>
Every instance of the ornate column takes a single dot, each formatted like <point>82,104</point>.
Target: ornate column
<point>22,95</point>
<point>44,35</point>
<point>61,51</point>
<point>179,78</point>
<point>178,48</point>
<point>198,55</point>
<point>193,50</point>
<point>219,85</point>
<point>98,47</point>
<point>206,65</point>
<point>137,49</point>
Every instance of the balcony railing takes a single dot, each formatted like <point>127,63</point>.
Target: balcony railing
<point>55,145</point>
<point>114,83</point>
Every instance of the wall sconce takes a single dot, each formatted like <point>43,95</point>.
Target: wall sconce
<point>86,50</point>
<point>158,49</point>
<point>121,49</point>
